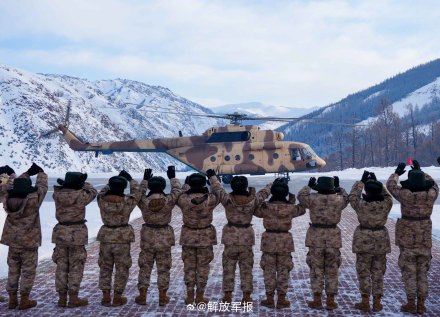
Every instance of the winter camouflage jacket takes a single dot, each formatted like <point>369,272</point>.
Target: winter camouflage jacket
<point>324,210</point>
<point>372,214</point>
<point>70,207</point>
<point>115,213</point>
<point>157,211</point>
<point>197,211</point>
<point>239,210</point>
<point>277,216</point>
<point>22,227</point>
<point>409,233</point>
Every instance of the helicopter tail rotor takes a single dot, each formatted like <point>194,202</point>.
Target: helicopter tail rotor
<point>56,128</point>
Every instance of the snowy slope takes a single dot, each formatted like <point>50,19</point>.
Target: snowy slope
<point>34,103</point>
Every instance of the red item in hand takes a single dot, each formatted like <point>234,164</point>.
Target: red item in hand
<point>409,161</point>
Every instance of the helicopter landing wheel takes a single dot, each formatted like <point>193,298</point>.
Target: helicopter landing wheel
<point>227,179</point>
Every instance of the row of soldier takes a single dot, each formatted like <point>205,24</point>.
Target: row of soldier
<point>371,243</point>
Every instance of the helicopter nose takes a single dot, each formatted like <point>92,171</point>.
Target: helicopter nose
<point>320,162</point>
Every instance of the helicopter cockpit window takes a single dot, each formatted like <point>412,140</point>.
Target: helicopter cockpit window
<point>296,155</point>
<point>229,137</point>
<point>306,154</point>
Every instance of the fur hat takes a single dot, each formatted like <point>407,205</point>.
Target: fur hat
<point>417,181</point>
<point>157,184</point>
<point>239,185</point>
<point>73,180</point>
<point>197,180</point>
<point>325,185</point>
<point>22,187</point>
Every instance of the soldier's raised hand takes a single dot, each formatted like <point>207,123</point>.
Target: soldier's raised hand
<point>373,176</point>
<point>34,170</point>
<point>126,175</point>
<point>9,170</point>
<point>148,173</point>
<point>400,170</point>
<point>365,176</point>
<point>416,165</point>
<point>312,182</point>
<point>210,173</point>
<point>336,181</point>
<point>171,172</point>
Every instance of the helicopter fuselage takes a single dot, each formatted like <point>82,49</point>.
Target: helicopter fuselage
<point>229,150</point>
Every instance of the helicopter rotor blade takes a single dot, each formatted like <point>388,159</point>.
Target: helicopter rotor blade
<point>47,133</point>
<point>66,119</point>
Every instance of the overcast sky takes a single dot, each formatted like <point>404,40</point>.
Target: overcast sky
<point>287,53</point>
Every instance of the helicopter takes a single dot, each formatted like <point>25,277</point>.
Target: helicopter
<point>230,150</point>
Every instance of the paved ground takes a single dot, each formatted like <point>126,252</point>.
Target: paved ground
<point>44,290</point>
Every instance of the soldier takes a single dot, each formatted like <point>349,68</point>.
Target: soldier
<point>277,242</point>
<point>414,232</point>
<point>323,237</point>
<point>70,236</point>
<point>198,235</point>
<point>22,233</point>
<point>7,176</point>
<point>116,235</point>
<point>157,236</point>
<point>371,241</point>
<point>238,235</point>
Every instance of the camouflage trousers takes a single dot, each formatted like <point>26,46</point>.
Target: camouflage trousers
<point>370,271</point>
<point>163,260</point>
<point>22,265</point>
<point>196,268</point>
<point>324,265</point>
<point>244,256</point>
<point>276,271</point>
<point>117,256</point>
<point>414,264</point>
<point>70,261</point>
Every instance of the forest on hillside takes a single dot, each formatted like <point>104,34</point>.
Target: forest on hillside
<point>388,139</point>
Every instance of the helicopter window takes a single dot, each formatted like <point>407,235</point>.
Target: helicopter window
<point>275,155</point>
<point>227,158</point>
<point>251,156</point>
<point>229,137</point>
<point>306,153</point>
<point>296,155</point>
<point>212,158</point>
<point>310,150</point>
<point>237,157</point>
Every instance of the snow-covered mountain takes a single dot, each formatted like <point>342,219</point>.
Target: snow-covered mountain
<point>258,109</point>
<point>31,104</point>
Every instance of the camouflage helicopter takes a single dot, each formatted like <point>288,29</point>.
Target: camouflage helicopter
<point>229,150</point>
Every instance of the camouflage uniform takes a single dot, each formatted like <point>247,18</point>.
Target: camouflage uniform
<point>115,236</point>
<point>277,242</point>
<point>414,235</point>
<point>323,237</point>
<point>238,235</point>
<point>70,235</point>
<point>157,236</point>
<point>371,241</point>
<point>22,233</point>
<point>197,237</point>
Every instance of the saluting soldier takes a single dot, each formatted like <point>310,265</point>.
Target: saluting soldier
<point>70,235</point>
<point>198,235</point>
<point>116,236</point>
<point>371,241</point>
<point>157,236</point>
<point>414,232</point>
<point>22,233</point>
<point>238,235</point>
<point>323,237</point>
<point>277,242</point>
